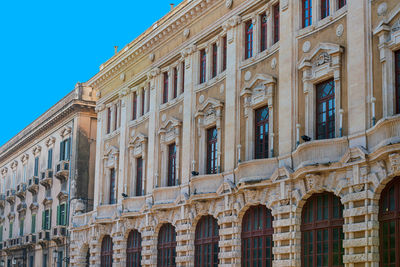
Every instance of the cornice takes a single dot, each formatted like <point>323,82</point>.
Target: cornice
<point>169,26</point>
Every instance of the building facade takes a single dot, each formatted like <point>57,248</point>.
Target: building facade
<point>249,133</point>
<point>47,170</point>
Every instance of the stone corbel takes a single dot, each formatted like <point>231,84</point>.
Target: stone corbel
<point>36,150</point>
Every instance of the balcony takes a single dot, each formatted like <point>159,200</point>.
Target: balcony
<point>46,178</point>
<point>21,191</point>
<point>255,171</point>
<point>14,243</point>
<point>106,212</point>
<point>59,233</point>
<point>205,186</point>
<point>33,185</point>
<point>48,199</point>
<point>83,219</point>
<point>21,208</point>
<point>43,237</point>
<point>133,204</point>
<point>29,239</point>
<point>166,195</point>
<point>2,200</point>
<point>62,170</point>
<point>10,197</point>
<point>385,132</point>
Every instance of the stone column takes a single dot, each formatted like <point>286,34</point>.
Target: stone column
<point>95,253</point>
<point>149,244</point>
<point>119,249</point>
<point>123,145</point>
<point>234,39</point>
<point>101,128</point>
<point>146,90</point>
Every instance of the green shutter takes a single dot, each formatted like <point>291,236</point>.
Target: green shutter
<point>33,224</point>
<point>62,150</point>
<point>1,233</point>
<point>43,220</point>
<point>66,214</point>
<point>49,220</point>
<point>50,159</point>
<point>10,230</point>
<point>58,215</point>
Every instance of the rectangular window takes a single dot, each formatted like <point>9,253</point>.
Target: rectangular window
<point>21,227</point>
<point>214,60</point>
<point>397,80</point>
<point>115,117</point>
<point>1,233</point>
<point>325,110</point>
<point>165,88</point>
<point>324,8</point>
<point>212,142</point>
<point>249,40</point>
<point>261,132</point>
<point>50,159</point>
<point>134,106</point>
<point>44,264</point>
<point>31,261</point>
<point>33,224</point>
<point>10,230</point>
<point>139,176</point>
<point>46,219</point>
<point>108,120</point>
<point>263,37</point>
<point>59,258</point>
<point>172,165</point>
<point>307,12</point>
<point>61,214</point>
<point>341,3</point>
<point>36,167</point>
<point>203,65</point>
<point>112,186</point>
<point>183,76</point>
<point>224,51</point>
<point>65,149</point>
<point>143,92</point>
<point>175,82</point>
<point>276,22</point>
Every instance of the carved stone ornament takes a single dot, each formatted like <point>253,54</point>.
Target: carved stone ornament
<point>186,32</point>
<point>122,77</point>
<point>188,51</point>
<point>247,76</point>
<point>306,46</point>
<point>222,89</point>
<point>339,30</point>
<point>4,171</point>
<point>273,63</point>
<point>154,72</point>
<point>396,26</point>
<point>36,150</point>
<point>100,108</point>
<point>50,141</point>
<point>232,22</point>
<point>201,99</point>
<point>382,9</point>
<point>321,59</point>
<point>24,158</point>
<point>65,131</point>
<point>152,57</point>
<point>395,162</point>
<point>163,117</point>
<point>228,3</point>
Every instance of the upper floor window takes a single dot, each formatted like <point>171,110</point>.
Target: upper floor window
<point>46,219</point>
<point>341,3</point>
<point>212,159</point>
<point>134,106</point>
<point>1,233</point>
<point>143,101</point>
<point>203,65</point>
<point>249,40</point>
<point>397,74</point>
<point>172,165</point>
<point>36,167</point>
<point>139,176</point>
<point>134,249</point>
<point>261,132</point>
<point>115,117</point>
<point>62,214</point>
<point>183,77</point>
<point>324,8</point>
<point>108,120</point>
<point>33,224</point>
<point>306,13</point>
<point>276,22</point>
<point>175,82</point>
<point>65,149</point>
<point>165,88</point>
<point>106,251</point>
<point>214,60</point>
<point>21,227</point>
<point>224,51</point>
<point>263,39</point>
<point>326,110</point>
<point>10,230</point>
<point>50,158</point>
<point>112,186</point>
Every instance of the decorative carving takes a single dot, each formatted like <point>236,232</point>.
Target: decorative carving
<point>36,150</point>
<point>65,131</point>
<point>306,46</point>
<point>396,26</point>
<point>394,160</point>
<point>188,51</point>
<point>186,33</point>
<point>122,76</point>
<point>382,9</point>
<point>321,59</point>
<point>228,3</point>
<point>222,89</point>
<point>50,141</point>
<point>201,99</point>
<point>154,72</point>
<point>247,75</point>
<point>273,63</point>
<point>232,22</point>
<point>152,57</point>
<point>339,30</point>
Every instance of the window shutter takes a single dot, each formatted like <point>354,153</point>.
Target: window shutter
<point>66,214</point>
<point>50,159</point>
<point>43,220</point>
<point>49,219</point>
<point>58,215</point>
<point>61,150</point>
<point>1,233</point>
<point>68,148</point>
<point>33,224</point>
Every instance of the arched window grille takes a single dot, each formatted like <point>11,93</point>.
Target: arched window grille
<point>166,247</point>
<point>322,231</point>
<point>257,234</point>
<point>106,252</point>
<point>389,224</point>
<point>134,249</point>
<point>206,243</point>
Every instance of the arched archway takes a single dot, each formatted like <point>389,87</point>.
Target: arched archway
<point>206,242</point>
<point>322,231</point>
<point>257,234</point>
<point>166,246</point>
<point>389,224</point>
<point>106,252</point>
<point>134,249</point>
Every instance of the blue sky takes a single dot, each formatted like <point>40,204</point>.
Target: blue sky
<point>47,46</point>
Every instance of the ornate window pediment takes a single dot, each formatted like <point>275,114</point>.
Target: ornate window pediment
<point>111,156</point>
<point>260,90</point>
<point>170,130</point>
<point>36,150</point>
<point>14,165</point>
<point>137,144</point>
<point>50,141</point>
<point>4,171</point>
<point>24,158</point>
<point>209,112</point>
<point>65,132</point>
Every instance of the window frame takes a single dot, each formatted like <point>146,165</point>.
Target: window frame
<point>139,177</point>
<point>311,224</point>
<point>263,32</point>
<point>248,39</point>
<point>108,120</point>
<point>325,8</point>
<point>166,246</point>
<point>325,100</point>
<point>224,52</point>
<point>175,93</point>
<point>306,21</point>
<point>251,232</point>
<point>214,70</point>
<point>264,153</point>
<point>134,249</point>
<point>206,235</point>
<point>203,65</point>
<point>112,197</point>
<point>172,165</point>
<point>183,76</point>
<point>341,3</point>
<point>212,163</point>
<point>276,25</point>
<point>134,106</point>
<point>165,88</point>
<point>106,256</point>
<point>397,80</point>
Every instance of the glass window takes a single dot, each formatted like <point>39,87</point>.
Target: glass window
<point>214,60</point>
<point>172,165</point>
<point>341,3</point>
<point>326,110</point>
<point>397,80</point>
<point>134,106</point>
<point>112,186</point>
<point>212,157</point>
<point>166,246</point>
<point>321,231</point>
<point>33,224</point>
<point>263,39</point>
<point>108,120</point>
<point>307,12</point>
<point>203,65</point>
<point>139,176</point>
<point>324,8</point>
<point>65,149</point>
<point>276,22</point>
<point>50,159</point>
<point>261,132</point>
<point>224,51</point>
<point>36,167</point>
<point>175,82</point>
<point>106,252</point>
<point>165,88</point>
<point>249,40</point>
<point>257,234</point>
<point>206,242</point>
<point>183,76</point>
<point>134,249</point>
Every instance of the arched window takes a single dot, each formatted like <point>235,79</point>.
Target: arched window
<point>322,231</point>
<point>257,237</point>
<point>134,249</point>
<point>206,243</point>
<point>166,246</point>
<point>106,252</point>
<point>389,224</point>
<point>87,263</point>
